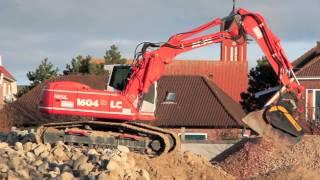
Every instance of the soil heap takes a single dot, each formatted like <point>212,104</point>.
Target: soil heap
<point>263,159</point>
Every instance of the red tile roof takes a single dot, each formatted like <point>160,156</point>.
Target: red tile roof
<point>231,77</point>
<point>310,69</point>
<point>6,73</point>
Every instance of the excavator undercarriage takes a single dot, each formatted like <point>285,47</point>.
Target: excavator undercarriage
<point>138,137</point>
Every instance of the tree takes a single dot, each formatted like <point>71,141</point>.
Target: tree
<point>113,56</point>
<point>83,65</point>
<point>261,78</point>
<point>44,71</point>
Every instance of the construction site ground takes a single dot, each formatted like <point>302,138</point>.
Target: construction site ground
<point>256,158</point>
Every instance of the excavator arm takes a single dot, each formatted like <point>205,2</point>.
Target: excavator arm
<point>236,27</point>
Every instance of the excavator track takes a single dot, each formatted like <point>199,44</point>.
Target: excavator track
<point>138,137</point>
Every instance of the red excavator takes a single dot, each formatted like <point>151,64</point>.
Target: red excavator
<point>131,92</point>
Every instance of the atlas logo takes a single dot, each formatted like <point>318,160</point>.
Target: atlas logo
<point>87,102</point>
<point>116,104</point>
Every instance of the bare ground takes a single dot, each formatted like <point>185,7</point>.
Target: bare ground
<point>180,166</point>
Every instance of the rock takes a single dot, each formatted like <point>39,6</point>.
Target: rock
<point>112,165</point>
<point>34,145</point>
<point>24,173</point>
<point>92,152</point>
<point>30,157</point>
<point>85,169</point>
<point>15,163</point>
<point>44,154</point>
<point>18,146</point>
<point>43,167</point>
<point>39,149</point>
<point>52,174</point>
<point>59,154</point>
<point>57,170</point>
<point>65,168</point>
<point>121,157</point>
<point>37,163</point>
<point>81,160</point>
<point>69,163</point>
<point>13,176</point>
<point>3,145</point>
<point>3,168</point>
<point>123,149</point>
<point>76,155</point>
<point>144,175</point>
<point>27,146</point>
<point>93,158</point>
<point>67,176</point>
<point>48,146</point>
<point>105,157</point>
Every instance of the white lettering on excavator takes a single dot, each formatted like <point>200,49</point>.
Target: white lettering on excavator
<point>202,43</point>
<point>87,102</point>
<point>116,105</point>
<point>60,97</point>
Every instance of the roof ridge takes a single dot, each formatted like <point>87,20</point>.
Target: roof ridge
<point>224,105</point>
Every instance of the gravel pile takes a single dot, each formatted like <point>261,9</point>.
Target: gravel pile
<point>22,158</point>
<point>29,160</point>
<point>263,159</point>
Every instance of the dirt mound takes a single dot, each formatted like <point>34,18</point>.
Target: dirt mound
<point>25,111</point>
<point>266,159</point>
<point>180,166</point>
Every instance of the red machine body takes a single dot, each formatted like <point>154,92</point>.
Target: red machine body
<point>71,98</point>
<point>78,99</point>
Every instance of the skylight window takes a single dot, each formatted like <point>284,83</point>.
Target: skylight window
<point>170,97</point>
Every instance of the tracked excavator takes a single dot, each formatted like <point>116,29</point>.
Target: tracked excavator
<point>130,96</point>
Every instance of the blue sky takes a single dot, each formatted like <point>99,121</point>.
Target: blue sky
<point>60,30</point>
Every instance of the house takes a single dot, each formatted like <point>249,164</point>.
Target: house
<point>307,69</point>
<point>8,86</point>
<point>195,107</point>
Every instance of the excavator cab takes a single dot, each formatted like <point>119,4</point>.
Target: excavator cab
<point>119,77</point>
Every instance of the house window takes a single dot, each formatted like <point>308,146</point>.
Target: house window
<point>312,104</point>
<point>170,97</point>
<point>317,105</point>
<point>195,137</point>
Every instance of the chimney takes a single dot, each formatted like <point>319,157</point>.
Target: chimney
<point>0,60</point>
